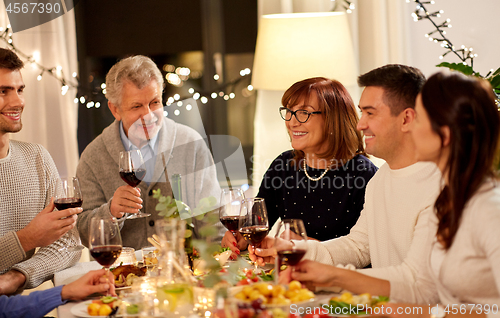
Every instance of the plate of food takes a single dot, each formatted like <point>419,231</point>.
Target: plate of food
<point>269,295</point>
<point>125,274</point>
<point>96,308</point>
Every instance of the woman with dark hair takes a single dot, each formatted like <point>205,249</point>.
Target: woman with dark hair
<point>322,180</point>
<point>457,126</point>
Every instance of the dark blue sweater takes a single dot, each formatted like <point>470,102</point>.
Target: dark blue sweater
<point>329,207</point>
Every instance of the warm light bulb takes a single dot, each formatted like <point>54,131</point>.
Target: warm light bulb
<point>39,77</point>
<point>179,103</point>
<point>191,90</point>
<point>177,112</point>
<point>250,87</point>
<point>103,85</point>
<point>232,95</point>
<point>82,99</point>
<point>213,95</point>
<point>189,107</point>
<point>204,100</point>
<point>64,89</point>
<point>74,74</point>
<point>216,77</point>
<point>177,96</point>
<point>97,105</point>
<point>196,96</point>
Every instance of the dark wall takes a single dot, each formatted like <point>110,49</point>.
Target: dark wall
<point>110,30</point>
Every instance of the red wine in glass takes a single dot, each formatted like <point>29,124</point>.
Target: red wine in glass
<point>68,203</point>
<point>69,197</point>
<point>289,230</point>
<point>106,255</point>
<point>133,178</point>
<point>132,171</point>
<point>105,241</point>
<point>254,234</point>
<point>230,206</point>
<point>291,257</point>
<point>253,223</point>
<point>230,222</point>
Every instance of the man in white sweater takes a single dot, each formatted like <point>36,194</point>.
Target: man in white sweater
<point>392,227</point>
<point>28,179</point>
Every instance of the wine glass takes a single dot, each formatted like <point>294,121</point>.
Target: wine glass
<point>253,223</point>
<point>230,206</point>
<point>288,254</point>
<point>132,171</point>
<point>69,197</point>
<point>105,241</point>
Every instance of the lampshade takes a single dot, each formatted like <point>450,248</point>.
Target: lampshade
<point>292,47</point>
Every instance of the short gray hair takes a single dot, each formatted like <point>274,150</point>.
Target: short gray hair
<point>139,70</point>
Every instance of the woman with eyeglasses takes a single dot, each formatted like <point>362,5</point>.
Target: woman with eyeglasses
<point>322,180</point>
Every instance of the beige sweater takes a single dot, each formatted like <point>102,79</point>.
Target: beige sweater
<point>393,226</point>
<point>470,270</point>
<point>28,178</point>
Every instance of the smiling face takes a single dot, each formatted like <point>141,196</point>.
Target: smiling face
<point>308,136</point>
<point>428,143</point>
<point>11,101</point>
<point>141,111</point>
<point>382,130</point>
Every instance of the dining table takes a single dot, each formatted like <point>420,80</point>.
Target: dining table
<point>71,274</point>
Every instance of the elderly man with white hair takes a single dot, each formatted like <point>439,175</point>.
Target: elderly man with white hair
<point>134,89</point>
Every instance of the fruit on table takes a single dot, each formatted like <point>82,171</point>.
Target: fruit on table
<point>267,293</point>
<point>105,310</point>
<point>93,309</point>
<point>103,306</point>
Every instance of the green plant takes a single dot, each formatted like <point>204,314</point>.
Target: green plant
<point>492,77</point>
<point>206,247</point>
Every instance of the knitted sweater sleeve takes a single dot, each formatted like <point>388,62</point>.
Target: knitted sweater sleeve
<point>49,259</point>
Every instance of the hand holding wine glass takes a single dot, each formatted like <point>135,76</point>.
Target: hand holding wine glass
<point>253,222</point>
<point>69,197</point>
<point>105,241</point>
<point>132,171</point>
<point>288,254</point>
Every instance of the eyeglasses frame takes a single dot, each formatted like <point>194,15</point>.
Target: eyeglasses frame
<point>293,112</point>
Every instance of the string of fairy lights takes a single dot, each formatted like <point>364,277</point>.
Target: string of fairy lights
<point>33,59</point>
<point>175,76</point>
<point>465,54</point>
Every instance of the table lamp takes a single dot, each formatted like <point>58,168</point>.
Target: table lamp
<point>292,47</point>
